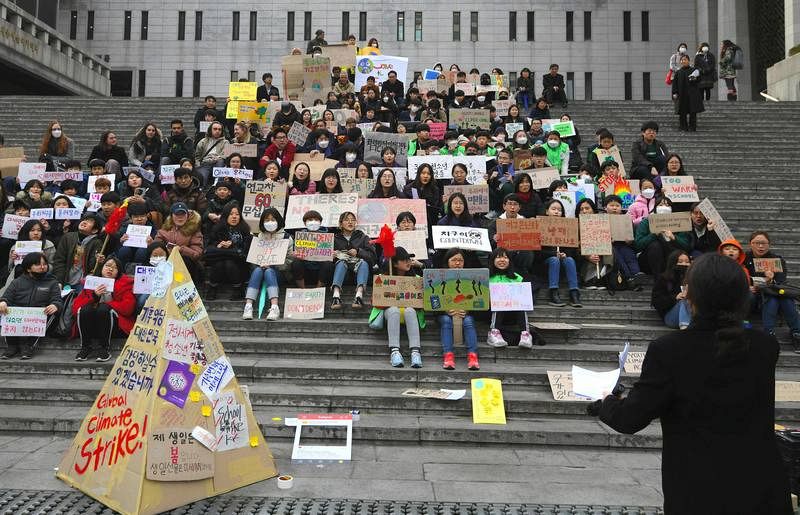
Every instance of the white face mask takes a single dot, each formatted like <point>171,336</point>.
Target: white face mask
<point>323,143</point>
<point>522,140</point>
<point>386,99</point>
<point>56,133</point>
<point>704,49</point>
<point>155,260</point>
<point>313,225</point>
<point>350,157</point>
<point>553,143</point>
<point>648,193</point>
<point>270,226</point>
<point>682,50</point>
<point>481,98</point>
<point>663,210</point>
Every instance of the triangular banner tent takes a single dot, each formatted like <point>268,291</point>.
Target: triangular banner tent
<point>171,425</point>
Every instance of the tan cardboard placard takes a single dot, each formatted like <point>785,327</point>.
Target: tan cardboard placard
<point>317,164</point>
<point>711,213</point>
<point>518,233</point>
<point>787,391</point>
<point>633,362</point>
<point>298,133</point>
<point>477,196</point>
<point>316,79</point>
<point>10,158</point>
<point>260,195</point>
<point>354,185</point>
<point>342,55</point>
<point>470,118</point>
<point>304,303</point>
<point>145,394</point>
<point>397,290</point>
<point>523,160</point>
<point>558,231</point>
<point>561,386</point>
<point>675,222</point>
<point>245,149</point>
<point>174,455</point>
<point>414,242</point>
<point>612,153</point>
<point>761,265</point>
<point>595,235</point>
<point>264,252</point>
<point>621,227</point>
<point>679,188</point>
<point>292,72</point>
<point>542,177</point>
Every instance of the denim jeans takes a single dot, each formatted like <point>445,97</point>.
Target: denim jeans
<point>446,332</point>
<point>554,265</point>
<point>770,308</point>
<point>679,315</point>
<point>625,258</point>
<point>361,269</point>
<point>259,275</point>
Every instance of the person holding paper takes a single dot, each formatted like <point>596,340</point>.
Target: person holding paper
<point>208,153</point>
<point>713,388</point>
<point>508,327</point>
<point>352,252</point>
<point>669,292</point>
<point>556,259</point>
<point>137,216</point>
<point>624,253</point>
<point>455,258</point>
<point>654,248</point>
<point>156,253</point>
<point>704,237</point>
<point>35,195</point>
<point>102,313</point>
<point>514,116</point>
<point>136,188</point>
<point>32,230</point>
<point>226,252</point>
<point>271,226</point>
<point>218,197</point>
<point>182,230</point>
<point>32,289</point>
<point>187,190</point>
<point>77,252</point>
<point>55,228</point>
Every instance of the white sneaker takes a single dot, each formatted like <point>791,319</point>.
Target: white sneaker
<point>274,312</point>
<point>248,312</point>
<point>495,339</point>
<point>526,340</point>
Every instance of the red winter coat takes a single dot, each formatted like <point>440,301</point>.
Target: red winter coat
<point>122,301</point>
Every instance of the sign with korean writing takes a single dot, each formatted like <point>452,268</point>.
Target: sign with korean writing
<point>181,343</point>
<point>502,109</point>
<point>558,231</point>
<point>188,301</point>
<point>143,279</point>
<point>565,129</point>
<point>304,303</point>
<point>355,185</point>
<point>268,252</point>
<point>621,227</point>
<point>92,282</point>
<point>313,246</point>
<point>415,242</point>
<point>23,248</point>
<point>518,233</point>
<point>456,288</point>
<point>20,321</point>
<point>260,195</point>
<point>215,377</point>
<point>316,79</point>
<point>467,87</point>
<point>375,142</point>
<point>761,265</point>
<point>12,224</point>
<point>373,214</point>
<point>441,165</point>
<point>437,130</point>
<point>710,212</point>
<point>476,168</point>
<point>595,235</point>
<point>679,188</point>
<point>542,177</point>
<point>470,118</point>
<point>298,134</point>
<point>242,90</point>
<point>243,149</point>
<point>317,164</point>
<point>137,236</point>
<point>67,213</point>
<point>173,454</point>
<point>42,213</point>
<point>466,238</point>
<point>675,222</point>
<point>330,206</point>
<point>477,196</point>
<point>30,171</point>
<point>511,296</point>
<point>251,112</point>
<point>166,174</point>
<point>568,202</point>
<point>396,290</point>
<point>611,154</point>
<point>234,173</point>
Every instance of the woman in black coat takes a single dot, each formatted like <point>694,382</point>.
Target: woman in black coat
<point>687,95</point>
<point>226,252</point>
<point>713,388</point>
<point>115,156</point>
<point>705,61</point>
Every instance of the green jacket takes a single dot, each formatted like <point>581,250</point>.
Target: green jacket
<point>643,238</point>
<point>558,157</point>
<point>502,278</point>
<point>459,151</point>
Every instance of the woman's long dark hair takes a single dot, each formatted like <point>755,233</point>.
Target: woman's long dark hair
<point>226,211</point>
<point>301,185</point>
<point>465,217</point>
<point>25,231</point>
<point>330,172</point>
<point>669,274</point>
<point>378,191</point>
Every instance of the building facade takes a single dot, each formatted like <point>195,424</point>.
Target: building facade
<point>610,49</point>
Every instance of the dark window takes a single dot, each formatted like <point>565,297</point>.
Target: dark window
<point>179,83</point>
<point>401,26</point>
<point>645,25</point>
<point>587,86</point>
<point>645,85</point>
<point>628,86</point>
<point>307,25</point>
<point>73,24</point>
<point>456,26</point>
<point>570,28</point>
<point>587,25</point>
<point>198,25</point>
<point>145,21</point>
<point>90,25</point>
<point>251,76</point>
<point>362,26</point>
<point>234,75</point>
<point>473,26</point>
<point>626,25</point>
<point>126,30</point>
<point>290,26</point>
<point>512,25</point>
<point>253,25</point>
<point>181,25</point>
<point>142,82</point>
<point>417,25</point>
<point>531,23</point>
<point>235,26</point>
<point>345,25</point>
<point>196,83</point>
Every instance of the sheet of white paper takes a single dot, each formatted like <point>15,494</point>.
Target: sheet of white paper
<point>623,356</point>
<point>93,281</point>
<point>594,385</point>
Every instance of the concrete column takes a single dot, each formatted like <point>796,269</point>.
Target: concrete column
<point>792,21</point>
<point>732,24</point>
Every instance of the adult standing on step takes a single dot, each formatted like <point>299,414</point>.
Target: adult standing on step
<point>687,96</point>
<point>318,41</point>
<point>705,61</point>
<point>727,71</point>
<point>713,388</point>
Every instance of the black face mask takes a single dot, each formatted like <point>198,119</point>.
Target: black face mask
<point>38,275</point>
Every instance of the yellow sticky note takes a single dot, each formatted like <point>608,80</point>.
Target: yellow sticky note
<point>487,402</point>
<point>194,396</point>
<point>195,368</point>
<point>206,411</point>
<point>179,277</point>
<point>253,441</point>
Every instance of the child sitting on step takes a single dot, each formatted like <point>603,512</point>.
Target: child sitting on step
<point>506,324</point>
<point>455,258</point>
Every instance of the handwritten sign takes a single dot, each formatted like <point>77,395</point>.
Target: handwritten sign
<point>268,252</point>
<point>568,200</point>
<point>316,79</point>
<point>313,246</point>
<point>487,402</point>
<point>477,196</point>
<point>242,90</point>
<point>176,383</point>
<point>215,377</point>
<point>234,173</point>
<point>502,110</point>
<point>260,195</point>
<point>518,233</point>
<point>467,87</point>
<point>462,288</point>
<point>330,206</point>
<point>375,142</point>
<point>511,296</point>
<point>633,362</point>
<point>362,187</point>
<point>396,290</point>
<point>595,231</point>
<point>375,213</point>
<point>173,454</point>
<point>92,179</point>
<point>559,232</point>
<point>42,214</point>
<point>476,167</point>
<point>23,248</point>
<point>679,188</point>
<point>92,282</point>
<point>137,236</point>
<point>316,164</point>
<point>438,130</point>
<point>787,391</point>
<point>565,129</point>
<point>523,159</point>
<point>19,321</point>
<point>441,165</point>
<point>466,238</point>
<point>252,112</point>
<point>243,149</point>
<point>188,301</point>
<point>67,213</point>
<point>162,279</point>
<point>230,422</point>
<point>675,222</point>
<point>470,118</point>
<point>304,303</point>
<point>415,242</point>
<point>143,279</point>
<point>561,386</point>
<point>31,171</point>
<point>298,134</point>
<point>166,174</point>
<point>710,212</point>
<point>12,224</point>
<point>621,227</point>
<point>761,265</point>
<point>542,177</point>
<point>181,344</point>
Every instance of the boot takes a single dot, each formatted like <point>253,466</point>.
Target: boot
<point>555,298</point>
<point>575,299</point>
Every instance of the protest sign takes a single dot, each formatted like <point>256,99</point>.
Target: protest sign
<point>175,455</point>
<point>477,196</point>
<point>30,171</point>
<point>611,154</point>
<point>568,201</point>
<point>60,175</point>
<point>342,55</point>
<point>761,265</point>
<point>10,158</point>
<point>379,66</point>
<point>561,386</point>
<point>425,85</point>
<point>92,282</point>
<point>595,231</point>
<point>373,214</point>
<point>787,391</point>
<point>542,177</point>
<point>304,303</point>
<point>67,213</point>
<point>470,118</point>
<point>438,130</point>
<point>242,90</point>
<point>511,296</point>
<point>361,186</point>
<point>92,205</point>
<point>232,110</point>
<point>167,174</point>
<point>375,142</point>
<point>513,128</point>
<point>260,195</point>
<point>42,213</point>
<point>253,112</point>
<point>298,134</point>
<point>313,246</point>
<point>429,393</point>
<point>466,238</point>
<point>633,362</point>
<point>487,402</point>
<point>25,322</point>
<point>476,168</point>
<point>234,173</point>
<point>456,288</point>
<point>137,236</point>
<point>143,279</point>
<point>268,252</point>
<point>679,188</point>
<point>621,227</point>
<point>330,206</point>
<point>188,301</point>
<point>341,115</point>
<point>93,179</point>
<point>467,87</point>
<point>502,110</point>
<point>23,248</point>
<point>12,224</point>
<point>316,79</point>
<point>415,243</point>
<point>317,164</point>
<point>675,222</point>
<point>441,165</point>
<point>710,212</point>
<point>559,231</point>
<point>518,233</point>
<point>565,129</point>
<point>244,149</point>
<point>523,160</point>
<point>292,76</point>
<point>397,290</point>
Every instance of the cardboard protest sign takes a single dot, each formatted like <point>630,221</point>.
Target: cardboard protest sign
<point>542,177</point>
<point>379,66</point>
<point>467,87</point>
<point>233,173</point>
<point>330,206</point>
<point>565,129</point>
<point>787,391</point>
<point>292,76</point>
<point>93,179</point>
<point>559,231</point>
<point>313,246</point>
<point>568,200</point>
<point>375,142</point>
<point>316,79</point>
<point>340,116</point>
<point>20,321</point>
<point>675,222</point>
<point>595,231</point>
<point>12,224</point>
<point>710,212</point>
<point>143,279</point>
<point>502,108</point>
<point>342,55</point>
<point>425,85</point>
<point>761,265</point>
<point>414,242</point>
<point>397,290</point>
<point>518,233</point>
<point>373,214</point>
<point>561,386</point>
<point>244,149</point>
<point>317,164</point>
<point>612,154</point>
<point>511,296</point>
<point>441,166</point>
<point>523,160</point>
<point>456,288</point>
<point>621,227</point>
<point>441,394</point>
<point>10,158</point>
<point>487,402</point>
<point>679,188</point>
<point>633,362</point>
<point>298,134</point>
<point>141,399</point>
<point>253,112</point>
<point>470,118</point>
<point>264,252</point>
<point>30,171</point>
<point>354,185</point>
<point>476,168</point>
<point>242,90</point>
<point>304,303</point>
<point>260,195</point>
<point>477,196</point>
<point>466,238</point>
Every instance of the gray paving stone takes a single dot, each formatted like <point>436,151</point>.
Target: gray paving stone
<point>547,493</point>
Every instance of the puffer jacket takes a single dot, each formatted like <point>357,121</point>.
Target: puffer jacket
<point>193,197</point>
<point>27,291</point>
<point>641,208</point>
<point>188,237</point>
<point>122,301</point>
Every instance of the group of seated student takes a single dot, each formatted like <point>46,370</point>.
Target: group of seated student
<point>201,216</point>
